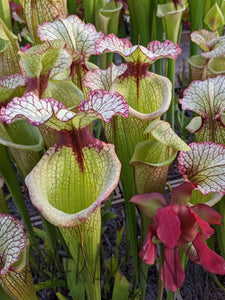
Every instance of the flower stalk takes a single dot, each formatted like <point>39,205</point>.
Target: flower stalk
<point>160,282</point>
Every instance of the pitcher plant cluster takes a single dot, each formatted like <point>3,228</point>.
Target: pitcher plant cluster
<point>72,80</point>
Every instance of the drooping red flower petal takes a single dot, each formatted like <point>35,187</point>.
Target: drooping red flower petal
<point>149,203</point>
<point>172,275</point>
<point>148,252</point>
<point>189,226</point>
<point>207,213</point>
<point>209,259</point>
<point>182,193</point>
<point>206,229</point>
<point>168,226</point>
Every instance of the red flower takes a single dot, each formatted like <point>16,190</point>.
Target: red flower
<point>177,225</point>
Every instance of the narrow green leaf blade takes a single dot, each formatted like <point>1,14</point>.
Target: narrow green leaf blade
<point>121,288</point>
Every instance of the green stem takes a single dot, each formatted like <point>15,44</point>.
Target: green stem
<point>220,230</point>
<point>84,247</point>
<point>157,34</point>
<point>9,176</point>
<point>3,205</point>
<point>171,296</point>
<point>171,76</point>
<point>131,220</point>
<point>141,20</point>
<point>51,232</point>
<point>103,61</point>
<point>217,282</point>
<point>5,13</point>
<point>99,129</point>
<point>62,242</point>
<point>89,11</point>
<point>72,7</point>
<point>144,267</point>
<point>132,235</point>
<point>160,283</point>
<point>196,18</point>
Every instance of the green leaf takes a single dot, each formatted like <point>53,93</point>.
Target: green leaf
<point>153,153</point>
<point>64,91</point>
<point>196,20</point>
<point>9,52</point>
<point>171,18</point>
<point>77,290</point>
<point>198,67</point>
<point>5,14</point>
<point>89,10</point>
<point>3,294</point>
<point>211,199</point>
<point>3,206</point>
<point>108,216</point>
<point>141,13</point>
<point>40,233</point>
<point>25,143</point>
<point>163,133</point>
<point>11,136</point>
<point>113,266</point>
<point>121,288</point>
<point>214,18</point>
<point>48,284</point>
<point>72,7</point>
<point>151,160</point>
<point>60,296</point>
<point>121,285</point>
<point>217,65</point>
<point>41,59</point>
<point>3,45</point>
<point>195,125</point>
<point>107,17</point>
